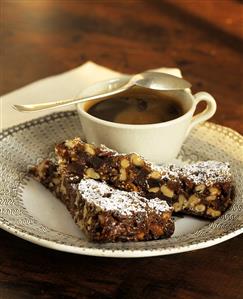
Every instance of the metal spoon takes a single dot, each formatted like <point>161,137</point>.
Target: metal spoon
<point>152,80</point>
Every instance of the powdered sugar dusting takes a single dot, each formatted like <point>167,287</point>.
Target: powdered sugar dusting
<point>158,205</point>
<point>208,172</point>
<point>170,172</point>
<point>125,203</point>
<point>104,148</point>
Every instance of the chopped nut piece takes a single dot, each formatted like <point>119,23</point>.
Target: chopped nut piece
<point>136,160</point>
<point>178,206</point>
<point>84,212</point>
<point>74,158</point>
<point>182,199</point>
<point>214,191</point>
<point>193,200</point>
<point>125,163</point>
<point>123,174</point>
<point>89,220</point>
<point>56,181</point>
<point>200,208</point>
<point>70,143</point>
<point>140,235</point>
<point>89,148</point>
<point>156,229</point>
<point>213,213</point>
<point>167,191</point>
<point>90,173</point>
<point>200,188</point>
<point>211,197</point>
<point>154,189</point>
<point>155,175</point>
<point>133,187</point>
<point>166,216</point>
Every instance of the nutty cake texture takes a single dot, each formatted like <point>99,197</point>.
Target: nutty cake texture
<point>203,189</point>
<point>206,189</point>
<point>110,214</point>
<point>104,213</point>
<point>122,197</point>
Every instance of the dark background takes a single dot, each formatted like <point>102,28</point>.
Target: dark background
<point>204,39</point>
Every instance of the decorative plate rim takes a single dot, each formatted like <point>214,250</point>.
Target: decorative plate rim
<point>136,253</point>
<point>109,252</point>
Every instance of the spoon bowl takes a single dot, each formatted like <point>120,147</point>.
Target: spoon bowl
<point>160,81</point>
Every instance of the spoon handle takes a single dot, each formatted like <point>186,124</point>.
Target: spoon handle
<point>66,102</point>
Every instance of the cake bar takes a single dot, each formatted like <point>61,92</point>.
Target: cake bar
<point>104,213</point>
<point>204,188</point>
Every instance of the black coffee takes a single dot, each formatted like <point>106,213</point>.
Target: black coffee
<point>136,107</point>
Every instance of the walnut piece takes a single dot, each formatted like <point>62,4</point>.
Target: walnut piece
<point>200,188</point>
<point>214,191</point>
<point>212,212</point>
<point>167,191</point>
<point>182,202</point>
<point>125,163</point>
<point>123,174</point>
<point>154,189</point>
<point>200,208</point>
<point>89,149</point>
<point>211,197</point>
<point>91,173</point>
<point>136,160</point>
<point>155,175</point>
<point>193,201</point>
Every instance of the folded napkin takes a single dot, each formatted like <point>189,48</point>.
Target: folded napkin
<point>65,85</point>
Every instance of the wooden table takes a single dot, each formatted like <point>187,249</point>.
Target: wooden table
<point>204,39</point>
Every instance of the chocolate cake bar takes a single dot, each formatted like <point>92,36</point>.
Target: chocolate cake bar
<point>204,188</point>
<point>104,213</point>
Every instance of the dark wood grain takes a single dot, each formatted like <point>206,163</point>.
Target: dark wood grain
<point>204,39</point>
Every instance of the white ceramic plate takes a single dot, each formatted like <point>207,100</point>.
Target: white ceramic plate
<point>29,211</point>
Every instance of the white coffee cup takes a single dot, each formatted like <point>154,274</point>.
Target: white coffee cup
<point>159,142</point>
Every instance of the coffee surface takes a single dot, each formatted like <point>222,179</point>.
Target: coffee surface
<point>137,108</point>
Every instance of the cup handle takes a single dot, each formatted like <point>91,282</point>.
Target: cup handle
<point>206,113</point>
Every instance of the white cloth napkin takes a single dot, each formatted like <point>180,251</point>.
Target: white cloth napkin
<point>65,85</point>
